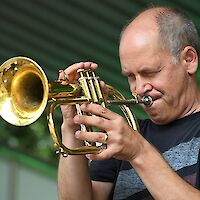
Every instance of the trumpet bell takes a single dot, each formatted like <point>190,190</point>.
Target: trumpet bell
<point>23,91</point>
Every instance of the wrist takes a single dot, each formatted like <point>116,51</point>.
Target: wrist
<point>68,137</point>
<point>143,154</point>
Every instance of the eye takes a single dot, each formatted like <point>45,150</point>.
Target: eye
<point>131,76</point>
<point>150,73</point>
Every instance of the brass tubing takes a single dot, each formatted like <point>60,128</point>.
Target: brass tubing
<point>98,89</point>
<point>91,86</point>
<point>146,100</point>
<point>60,147</point>
<point>84,83</point>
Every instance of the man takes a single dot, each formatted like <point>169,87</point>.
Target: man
<point>159,55</point>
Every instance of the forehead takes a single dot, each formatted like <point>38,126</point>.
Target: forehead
<point>138,40</point>
<point>138,47</point>
<point>143,57</point>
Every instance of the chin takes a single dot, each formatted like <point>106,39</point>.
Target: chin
<point>160,121</point>
<point>161,118</point>
<point>158,114</point>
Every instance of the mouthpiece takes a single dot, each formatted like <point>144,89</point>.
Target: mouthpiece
<point>146,100</point>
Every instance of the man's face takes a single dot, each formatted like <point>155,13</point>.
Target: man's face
<point>151,71</point>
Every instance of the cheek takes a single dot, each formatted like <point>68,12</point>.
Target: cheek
<point>131,84</point>
<point>162,88</point>
<point>170,79</point>
<point>177,82</point>
<point>171,87</point>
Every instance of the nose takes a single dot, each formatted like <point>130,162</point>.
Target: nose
<point>144,89</point>
<point>141,87</point>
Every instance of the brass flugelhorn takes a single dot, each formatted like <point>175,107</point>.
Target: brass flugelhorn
<point>25,93</point>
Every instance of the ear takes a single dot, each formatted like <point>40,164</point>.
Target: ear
<point>189,59</point>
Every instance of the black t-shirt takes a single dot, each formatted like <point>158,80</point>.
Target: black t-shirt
<point>178,142</point>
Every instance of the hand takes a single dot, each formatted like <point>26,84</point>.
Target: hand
<point>67,76</point>
<point>72,76</point>
<point>122,142</point>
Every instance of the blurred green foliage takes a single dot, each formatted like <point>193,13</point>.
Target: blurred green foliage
<point>33,140</point>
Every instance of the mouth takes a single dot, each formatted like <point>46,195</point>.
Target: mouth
<point>149,101</point>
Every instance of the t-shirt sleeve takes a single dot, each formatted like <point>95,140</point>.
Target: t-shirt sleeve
<point>104,170</point>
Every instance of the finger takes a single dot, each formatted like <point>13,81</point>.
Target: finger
<point>98,110</point>
<point>82,65</point>
<point>90,65</point>
<point>93,120</point>
<point>72,70</point>
<point>104,89</point>
<point>104,154</point>
<point>62,75</point>
<point>92,136</point>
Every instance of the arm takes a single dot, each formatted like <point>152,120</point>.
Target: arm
<point>74,179</point>
<point>101,190</point>
<point>73,174</point>
<point>126,144</point>
<point>162,182</point>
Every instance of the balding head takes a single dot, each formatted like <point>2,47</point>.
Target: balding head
<point>171,28</point>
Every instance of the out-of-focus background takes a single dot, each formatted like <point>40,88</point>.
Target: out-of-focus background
<point>56,34</point>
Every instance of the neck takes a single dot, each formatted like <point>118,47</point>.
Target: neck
<point>192,100</point>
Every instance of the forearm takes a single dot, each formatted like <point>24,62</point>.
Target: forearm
<point>73,179</point>
<point>73,174</point>
<point>161,181</point>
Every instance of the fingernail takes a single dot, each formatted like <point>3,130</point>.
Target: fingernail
<point>77,134</point>
<point>83,107</point>
<point>79,64</point>
<point>94,65</point>
<point>76,119</point>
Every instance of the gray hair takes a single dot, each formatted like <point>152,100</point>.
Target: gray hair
<point>176,31</point>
